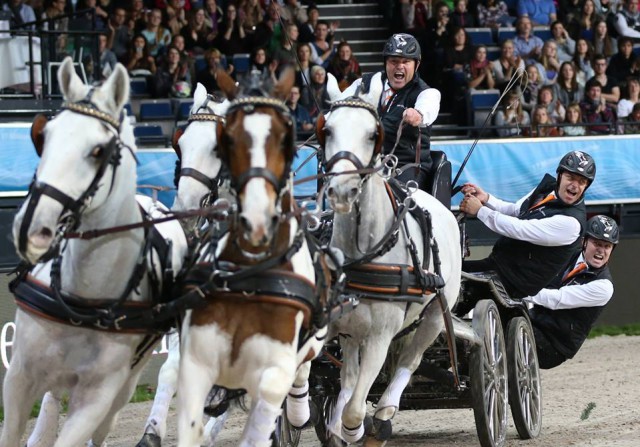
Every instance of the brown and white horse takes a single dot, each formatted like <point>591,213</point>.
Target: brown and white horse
<point>256,324</point>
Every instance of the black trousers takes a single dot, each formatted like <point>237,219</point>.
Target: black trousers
<point>417,174</point>
<point>548,356</point>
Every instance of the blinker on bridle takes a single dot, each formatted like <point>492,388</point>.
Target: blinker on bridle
<point>111,156</point>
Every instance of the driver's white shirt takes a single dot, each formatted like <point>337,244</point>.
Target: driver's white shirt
<point>427,102</point>
<point>501,217</point>
<point>592,294</point>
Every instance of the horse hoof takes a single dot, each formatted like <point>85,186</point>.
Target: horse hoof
<point>150,440</point>
<point>370,441</point>
<point>381,431</point>
<point>368,425</point>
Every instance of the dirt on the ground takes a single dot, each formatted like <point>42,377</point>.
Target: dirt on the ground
<point>604,375</point>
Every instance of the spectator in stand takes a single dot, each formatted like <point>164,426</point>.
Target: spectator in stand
<point>422,13</point>
<point>532,88</point>
<point>269,29</point>
<point>460,16</point>
<point>549,63</point>
<point>108,59</point>
<point>480,76</point>
<point>438,39</point>
<point>627,20</point>
<point>631,124</point>
<point>308,29</point>
<point>158,37</point>
<point>572,127</point>
<point>582,61</point>
<point>408,13</point>
<point>285,52</point>
<point>624,63</point>
<point>566,89</point>
<point>322,49</point>
<point>528,46</point>
<point>119,33</point>
<point>630,97</point>
<point>138,16</point>
<point>511,114</point>
<point>568,10</point>
<point>494,14</point>
<point>541,12</point>
<point>609,85</point>
<point>457,57</point>
<point>565,44</point>
<point>304,123</point>
<point>198,37</point>
<point>139,60</point>
<point>54,22</point>
<point>292,12</point>
<point>507,64</point>
<point>208,75</point>
<point>213,15</point>
<point>344,66</point>
<point>606,7</point>
<point>541,124</point>
<point>169,74</point>
<point>596,111</point>
<point>315,96</point>
<point>232,38</point>
<point>304,65</point>
<point>176,16</point>
<point>95,18</point>
<point>602,41</point>
<point>555,109</point>
<point>253,14</point>
<point>260,63</point>
<point>583,24</point>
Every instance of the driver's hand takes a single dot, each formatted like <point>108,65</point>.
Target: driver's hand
<point>470,205</point>
<point>412,116</point>
<point>475,190</point>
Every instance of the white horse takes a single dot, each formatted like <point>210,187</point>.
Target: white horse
<point>247,336</point>
<point>87,173</point>
<point>364,214</point>
<point>197,179</point>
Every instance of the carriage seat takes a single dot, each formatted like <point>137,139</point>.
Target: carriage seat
<point>478,286</point>
<point>439,178</point>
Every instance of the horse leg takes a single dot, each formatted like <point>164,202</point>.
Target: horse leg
<point>348,377</point>
<point>213,428</point>
<point>89,404</point>
<point>195,379</point>
<point>298,411</point>
<point>272,389</point>
<point>374,353</point>
<point>46,428</point>
<point>18,396</point>
<point>156,426</point>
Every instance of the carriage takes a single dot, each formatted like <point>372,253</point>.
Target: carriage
<point>470,357</point>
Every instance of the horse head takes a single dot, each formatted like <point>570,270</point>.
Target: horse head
<point>257,144</point>
<point>79,151</point>
<point>351,135</point>
<point>198,166</point>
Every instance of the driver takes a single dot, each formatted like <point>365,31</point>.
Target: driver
<point>540,232</point>
<point>564,313</point>
<point>405,98</point>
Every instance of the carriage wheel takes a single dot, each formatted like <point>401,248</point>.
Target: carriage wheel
<point>320,409</point>
<point>488,373</point>
<point>525,395</point>
<point>285,435</point>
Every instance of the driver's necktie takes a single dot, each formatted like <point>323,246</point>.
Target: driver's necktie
<point>577,269</point>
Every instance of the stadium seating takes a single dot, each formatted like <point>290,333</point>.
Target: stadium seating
<point>241,62</point>
<point>156,109</point>
<point>480,103</point>
<point>480,36</point>
<point>505,33</point>
<point>138,86</point>
<point>148,133</point>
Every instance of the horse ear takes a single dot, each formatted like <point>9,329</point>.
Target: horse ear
<point>71,86</point>
<point>333,89</point>
<point>176,137</point>
<point>37,128</point>
<point>200,95</point>
<point>117,85</point>
<point>283,87</point>
<point>226,84</point>
<point>320,129</point>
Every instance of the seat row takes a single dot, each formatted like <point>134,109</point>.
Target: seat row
<point>493,37</point>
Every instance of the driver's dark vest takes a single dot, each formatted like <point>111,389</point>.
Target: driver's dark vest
<point>526,268</point>
<point>391,117</point>
<point>567,329</point>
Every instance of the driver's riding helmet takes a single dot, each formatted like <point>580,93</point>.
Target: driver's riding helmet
<point>580,163</point>
<point>403,45</point>
<point>603,228</point>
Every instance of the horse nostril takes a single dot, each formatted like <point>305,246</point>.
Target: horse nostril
<point>353,192</point>
<point>245,223</point>
<point>274,221</point>
<point>331,192</point>
<point>46,233</point>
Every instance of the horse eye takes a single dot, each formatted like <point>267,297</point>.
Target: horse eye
<point>97,152</point>
<point>327,132</point>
